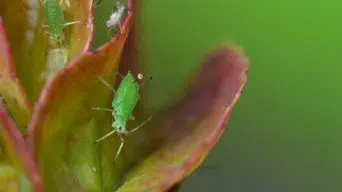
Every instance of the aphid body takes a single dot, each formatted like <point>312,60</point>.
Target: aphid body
<point>54,16</point>
<point>126,98</point>
<point>123,105</point>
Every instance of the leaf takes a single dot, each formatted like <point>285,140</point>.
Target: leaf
<point>16,27</point>
<point>183,135</point>
<point>10,87</point>
<point>18,171</point>
<point>36,57</point>
<point>64,127</point>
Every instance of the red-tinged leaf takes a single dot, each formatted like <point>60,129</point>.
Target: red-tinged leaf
<point>182,136</point>
<point>10,88</point>
<point>37,58</point>
<point>28,42</point>
<point>18,169</point>
<point>64,127</point>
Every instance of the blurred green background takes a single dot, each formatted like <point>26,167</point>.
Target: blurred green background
<point>285,132</point>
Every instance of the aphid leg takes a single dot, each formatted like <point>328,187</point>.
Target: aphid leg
<point>105,136</point>
<point>142,124</point>
<point>120,147</point>
<point>106,83</point>
<point>101,109</point>
<point>71,23</point>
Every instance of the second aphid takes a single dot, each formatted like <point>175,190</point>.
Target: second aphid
<point>54,17</point>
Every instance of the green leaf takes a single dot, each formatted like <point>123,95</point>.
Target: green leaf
<point>64,127</point>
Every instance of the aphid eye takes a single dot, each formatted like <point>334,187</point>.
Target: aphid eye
<point>140,76</point>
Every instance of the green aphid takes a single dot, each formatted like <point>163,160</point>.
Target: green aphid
<point>54,16</point>
<point>123,104</point>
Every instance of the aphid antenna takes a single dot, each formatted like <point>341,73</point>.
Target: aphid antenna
<point>117,73</point>
<point>106,84</point>
<point>144,81</point>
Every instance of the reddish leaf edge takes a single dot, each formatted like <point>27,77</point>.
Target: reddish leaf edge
<point>91,26</point>
<point>22,150</point>
<point>197,156</point>
<point>124,28</point>
<point>44,99</point>
<point>11,67</point>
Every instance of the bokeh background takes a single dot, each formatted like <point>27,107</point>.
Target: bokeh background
<point>285,132</point>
